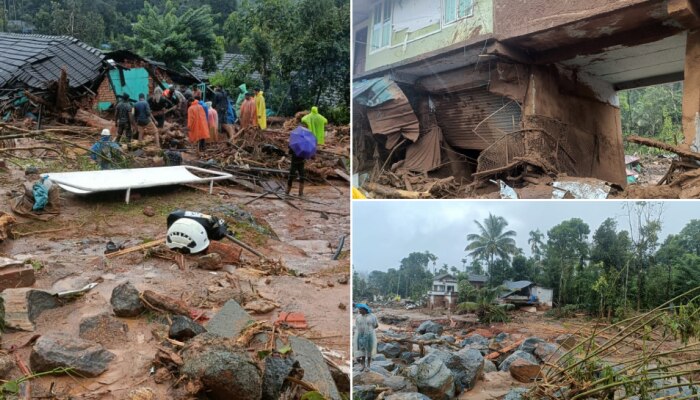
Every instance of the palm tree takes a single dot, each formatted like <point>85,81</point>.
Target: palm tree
<point>492,241</point>
<point>536,243</point>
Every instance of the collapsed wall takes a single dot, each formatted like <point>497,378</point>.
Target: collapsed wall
<point>482,118</point>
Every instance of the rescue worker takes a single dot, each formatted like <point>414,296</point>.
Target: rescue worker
<point>316,124</point>
<point>241,97</point>
<point>248,114</point>
<point>296,167</point>
<point>144,119</point>
<point>260,108</point>
<point>124,118</point>
<point>220,104</point>
<point>106,152</point>
<point>197,126</point>
<point>158,105</point>
<point>213,121</point>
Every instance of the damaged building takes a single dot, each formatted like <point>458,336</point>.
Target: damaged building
<point>453,100</point>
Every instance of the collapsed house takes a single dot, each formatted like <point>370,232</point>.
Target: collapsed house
<point>467,91</point>
<point>526,293</point>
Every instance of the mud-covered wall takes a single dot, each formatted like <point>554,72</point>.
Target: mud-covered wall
<point>520,17</point>
<point>558,100</point>
<point>412,41</point>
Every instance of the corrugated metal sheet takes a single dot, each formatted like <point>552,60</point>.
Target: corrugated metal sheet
<point>474,119</point>
<point>36,60</point>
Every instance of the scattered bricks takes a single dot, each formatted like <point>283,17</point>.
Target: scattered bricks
<point>230,254</point>
<point>15,274</point>
<point>292,320</point>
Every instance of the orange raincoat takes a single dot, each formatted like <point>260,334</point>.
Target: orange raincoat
<point>197,123</point>
<point>249,115</point>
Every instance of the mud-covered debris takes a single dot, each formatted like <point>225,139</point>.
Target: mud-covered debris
<point>141,394</point>
<point>266,266</point>
<point>103,329</point>
<point>7,364</point>
<point>6,223</point>
<point>221,370</point>
<point>126,302</point>
<point>24,305</point>
<point>342,306</point>
<point>276,371</point>
<point>228,253</point>
<point>229,321</point>
<point>61,350</point>
<point>165,304</point>
<point>209,262</point>
<point>15,274</point>
<point>260,306</point>
<point>149,211</point>
<point>183,328</point>
<point>343,280</point>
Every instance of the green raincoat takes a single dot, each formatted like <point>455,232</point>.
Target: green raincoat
<point>316,124</point>
<point>241,97</point>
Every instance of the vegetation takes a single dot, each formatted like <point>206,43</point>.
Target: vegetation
<point>610,272</point>
<point>297,50</point>
<point>484,305</point>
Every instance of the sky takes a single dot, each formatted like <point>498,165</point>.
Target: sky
<point>384,232</point>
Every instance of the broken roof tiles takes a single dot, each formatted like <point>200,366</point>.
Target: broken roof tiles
<point>36,60</point>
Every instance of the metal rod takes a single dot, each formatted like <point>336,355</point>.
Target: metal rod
<point>128,194</point>
<point>245,246</point>
<point>340,248</point>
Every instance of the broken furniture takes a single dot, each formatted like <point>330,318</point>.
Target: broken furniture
<point>88,182</point>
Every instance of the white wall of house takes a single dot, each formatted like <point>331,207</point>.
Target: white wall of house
<point>544,295</point>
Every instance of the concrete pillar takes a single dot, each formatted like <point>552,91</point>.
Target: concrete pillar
<point>691,91</point>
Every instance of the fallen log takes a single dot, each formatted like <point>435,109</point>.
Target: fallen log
<point>143,246</point>
<point>392,193</point>
<point>507,349</point>
<point>663,146</point>
<point>162,303</point>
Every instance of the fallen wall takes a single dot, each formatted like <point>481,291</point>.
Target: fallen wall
<point>557,100</point>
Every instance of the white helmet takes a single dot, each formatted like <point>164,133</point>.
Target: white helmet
<point>187,235</point>
<point>105,132</point>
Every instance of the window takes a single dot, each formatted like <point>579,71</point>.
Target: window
<point>381,25</point>
<point>456,9</point>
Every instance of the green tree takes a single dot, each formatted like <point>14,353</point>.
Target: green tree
<point>645,224</point>
<point>70,18</point>
<point>176,39</point>
<point>566,253</point>
<point>484,305</point>
<point>492,241</point>
<point>523,269</point>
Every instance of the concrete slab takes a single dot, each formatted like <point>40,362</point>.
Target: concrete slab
<point>316,371</point>
<point>15,274</point>
<point>229,321</point>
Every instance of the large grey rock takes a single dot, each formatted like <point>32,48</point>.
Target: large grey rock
<point>430,327</point>
<point>529,344</point>
<point>547,352</point>
<point>516,394</point>
<point>364,392</point>
<point>103,329</point>
<point>183,328</point>
<point>390,349</point>
<point>7,364</point>
<point>427,336</point>
<point>466,366</point>
<point>489,366</point>
<point>225,372</point>
<point>386,364</point>
<point>399,384</point>
<point>126,302</point>
<point>277,369</point>
<point>60,350</point>
<point>391,319</point>
<point>505,365</point>
<point>499,341</point>
<point>448,339</point>
<point>475,339</point>
<point>407,396</point>
<point>409,356</point>
<point>315,369</point>
<point>229,321</point>
<point>433,378</point>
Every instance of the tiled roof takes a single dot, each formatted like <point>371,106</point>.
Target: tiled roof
<point>227,62</point>
<point>36,60</point>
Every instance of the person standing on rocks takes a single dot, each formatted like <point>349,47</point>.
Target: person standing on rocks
<point>365,340</point>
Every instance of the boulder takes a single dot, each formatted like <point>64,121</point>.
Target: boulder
<point>505,365</point>
<point>489,366</point>
<point>499,341</point>
<point>406,396</point>
<point>427,336</point>
<point>386,364</point>
<point>183,328</point>
<point>516,394</point>
<point>430,327</point>
<point>528,345</point>
<point>475,339</point>
<point>7,364</point>
<point>433,378</point>
<point>409,356</point>
<point>126,301</point>
<point>277,369</point>
<point>364,392</point>
<point>103,329</point>
<point>448,339</point>
<point>399,384</point>
<point>223,370</point>
<point>61,350</point>
<point>229,321</point>
<point>524,371</point>
<point>389,349</point>
<point>466,366</point>
<point>315,369</point>
<point>566,341</point>
<point>547,352</point>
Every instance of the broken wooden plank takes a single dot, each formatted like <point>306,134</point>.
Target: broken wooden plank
<point>342,174</point>
<point>392,193</point>
<point>143,246</point>
<point>504,350</point>
<point>663,146</point>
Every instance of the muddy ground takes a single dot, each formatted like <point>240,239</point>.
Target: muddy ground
<point>71,254</point>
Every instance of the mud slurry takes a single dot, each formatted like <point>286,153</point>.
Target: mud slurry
<point>71,255</point>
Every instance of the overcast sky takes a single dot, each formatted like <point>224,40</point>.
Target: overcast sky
<point>384,232</point>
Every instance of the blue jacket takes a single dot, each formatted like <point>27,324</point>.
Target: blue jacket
<point>108,149</point>
<point>206,109</point>
<point>230,113</point>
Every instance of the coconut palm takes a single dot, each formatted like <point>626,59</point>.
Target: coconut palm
<point>492,241</point>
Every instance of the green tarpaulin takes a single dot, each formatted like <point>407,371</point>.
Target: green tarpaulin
<point>135,82</point>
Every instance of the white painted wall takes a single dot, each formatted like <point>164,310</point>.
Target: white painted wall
<point>545,296</point>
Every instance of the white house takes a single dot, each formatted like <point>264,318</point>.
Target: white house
<point>444,293</point>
